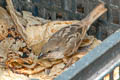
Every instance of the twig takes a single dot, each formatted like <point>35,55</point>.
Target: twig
<point>20,28</point>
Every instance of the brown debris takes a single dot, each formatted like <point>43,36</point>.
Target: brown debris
<point>3,30</point>
<point>5,46</point>
<point>32,66</point>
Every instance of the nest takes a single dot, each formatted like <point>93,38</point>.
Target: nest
<point>18,60</point>
<point>18,53</point>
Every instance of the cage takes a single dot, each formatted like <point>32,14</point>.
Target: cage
<point>106,57</point>
<point>71,10</point>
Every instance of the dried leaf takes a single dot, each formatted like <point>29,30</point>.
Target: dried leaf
<point>88,40</point>
<point>17,45</point>
<point>57,69</point>
<point>5,46</point>
<point>5,23</point>
<point>5,17</point>
<point>84,52</point>
<point>32,20</point>
<point>45,63</point>
<point>9,75</point>
<point>3,29</point>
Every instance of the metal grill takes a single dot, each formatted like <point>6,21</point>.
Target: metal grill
<point>65,9</point>
<point>74,9</point>
<point>106,56</point>
<point>95,67</point>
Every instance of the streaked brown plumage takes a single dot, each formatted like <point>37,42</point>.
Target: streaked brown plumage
<point>67,40</point>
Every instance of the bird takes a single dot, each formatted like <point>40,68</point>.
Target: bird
<point>67,40</point>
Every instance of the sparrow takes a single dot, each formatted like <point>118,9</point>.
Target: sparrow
<point>67,40</point>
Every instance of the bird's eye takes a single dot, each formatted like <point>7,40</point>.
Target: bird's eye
<point>49,51</point>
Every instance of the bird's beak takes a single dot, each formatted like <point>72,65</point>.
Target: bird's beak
<point>40,56</point>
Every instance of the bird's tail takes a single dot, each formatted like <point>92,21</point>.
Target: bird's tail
<point>94,14</point>
<point>89,19</point>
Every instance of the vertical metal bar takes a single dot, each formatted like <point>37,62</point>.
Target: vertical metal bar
<point>119,10</point>
<point>53,14</point>
<point>109,12</point>
<point>87,6</point>
<point>64,5</point>
<point>74,5</point>
<point>35,10</point>
<point>44,13</point>
<point>99,31</point>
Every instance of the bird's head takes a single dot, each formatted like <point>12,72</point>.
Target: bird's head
<point>51,50</point>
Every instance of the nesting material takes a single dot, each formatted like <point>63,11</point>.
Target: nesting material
<point>17,60</point>
<point>40,69</point>
<point>5,23</point>
<point>17,52</point>
<point>35,27</point>
<point>3,29</point>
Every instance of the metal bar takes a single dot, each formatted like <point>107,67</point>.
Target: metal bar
<point>53,14</point>
<point>119,11</point>
<point>44,13</point>
<point>57,9</point>
<point>86,6</point>
<point>74,6</point>
<point>62,4</point>
<point>65,8</point>
<point>97,63</point>
<point>99,31</point>
<point>109,12</point>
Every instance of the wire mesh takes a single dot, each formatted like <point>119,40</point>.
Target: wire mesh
<point>74,9</point>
